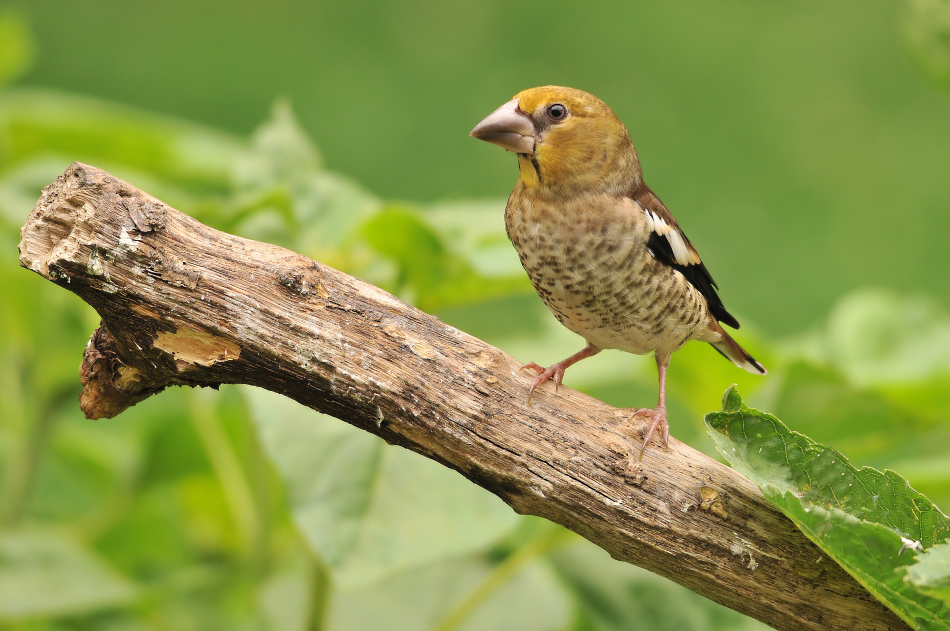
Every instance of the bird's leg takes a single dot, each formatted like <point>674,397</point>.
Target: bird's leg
<point>658,414</point>
<point>556,371</point>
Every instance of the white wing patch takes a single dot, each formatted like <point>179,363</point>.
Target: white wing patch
<point>682,253</point>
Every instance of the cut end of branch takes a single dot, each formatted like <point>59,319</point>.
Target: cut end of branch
<point>110,386</point>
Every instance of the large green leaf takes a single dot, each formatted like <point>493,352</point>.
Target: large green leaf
<point>862,518</point>
<point>45,574</point>
<point>369,509</point>
<point>902,428</point>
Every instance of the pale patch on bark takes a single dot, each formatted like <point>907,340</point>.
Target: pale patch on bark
<point>197,347</point>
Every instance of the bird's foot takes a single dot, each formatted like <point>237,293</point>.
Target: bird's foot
<point>554,373</point>
<point>657,418</point>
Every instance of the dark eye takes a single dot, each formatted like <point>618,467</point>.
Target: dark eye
<point>557,112</point>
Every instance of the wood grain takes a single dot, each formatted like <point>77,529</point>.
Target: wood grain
<point>184,304</point>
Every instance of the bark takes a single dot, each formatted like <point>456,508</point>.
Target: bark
<point>184,304</point>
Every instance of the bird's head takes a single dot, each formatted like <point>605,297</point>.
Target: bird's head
<point>567,141</point>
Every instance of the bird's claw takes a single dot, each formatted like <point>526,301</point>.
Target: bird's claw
<point>657,421</point>
<point>531,366</point>
<point>554,373</point>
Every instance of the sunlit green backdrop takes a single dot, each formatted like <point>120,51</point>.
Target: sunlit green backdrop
<point>804,148</point>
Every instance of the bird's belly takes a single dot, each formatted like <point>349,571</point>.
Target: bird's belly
<point>611,291</point>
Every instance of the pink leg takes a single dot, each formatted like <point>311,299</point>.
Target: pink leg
<point>658,414</point>
<point>556,371</point>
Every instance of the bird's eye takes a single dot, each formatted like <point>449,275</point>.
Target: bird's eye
<point>557,112</point>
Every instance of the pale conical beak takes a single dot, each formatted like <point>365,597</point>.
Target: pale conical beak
<point>509,128</point>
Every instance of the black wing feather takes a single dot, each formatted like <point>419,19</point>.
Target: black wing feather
<point>695,273</point>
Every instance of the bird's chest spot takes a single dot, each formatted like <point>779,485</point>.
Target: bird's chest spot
<point>579,270</point>
<point>550,252</point>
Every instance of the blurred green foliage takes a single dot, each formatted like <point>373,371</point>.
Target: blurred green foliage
<point>807,122</point>
<point>237,509</point>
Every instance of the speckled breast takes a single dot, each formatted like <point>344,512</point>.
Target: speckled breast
<point>588,260</point>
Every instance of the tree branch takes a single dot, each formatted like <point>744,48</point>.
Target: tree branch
<point>184,304</point>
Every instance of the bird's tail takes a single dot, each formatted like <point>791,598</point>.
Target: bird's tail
<point>730,349</point>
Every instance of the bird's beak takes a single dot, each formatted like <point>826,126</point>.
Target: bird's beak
<point>509,128</point>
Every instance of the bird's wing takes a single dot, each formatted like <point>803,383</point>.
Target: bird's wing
<point>669,245</point>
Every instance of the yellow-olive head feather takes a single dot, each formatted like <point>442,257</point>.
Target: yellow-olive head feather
<point>581,146</point>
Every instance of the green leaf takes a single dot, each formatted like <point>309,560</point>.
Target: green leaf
<point>420,599</point>
<point>158,154</point>
<point>402,235</point>
<point>880,337</point>
<point>16,45</point>
<point>476,230</point>
<point>931,572</point>
<point>368,509</point>
<point>612,596</point>
<point>900,428</point>
<point>281,172</point>
<point>284,596</point>
<point>861,518</point>
<point>431,271</point>
<point>280,151</point>
<point>45,574</point>
<point>875,382</point>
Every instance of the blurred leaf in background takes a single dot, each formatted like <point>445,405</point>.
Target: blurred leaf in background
<point>369,510</point>
<point>45,574</point>
<point>16,45</point>
<point>238,509</point>
<point>927,24</point>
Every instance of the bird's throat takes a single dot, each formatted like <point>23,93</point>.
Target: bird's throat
<point>530,171</point>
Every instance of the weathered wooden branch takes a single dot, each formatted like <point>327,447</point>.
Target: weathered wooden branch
<point>184,304</point>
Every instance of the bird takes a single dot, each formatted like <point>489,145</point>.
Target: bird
<point>603,252</point>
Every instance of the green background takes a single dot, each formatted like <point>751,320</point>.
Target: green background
<point>804,149</point>
<point>807,125</point>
